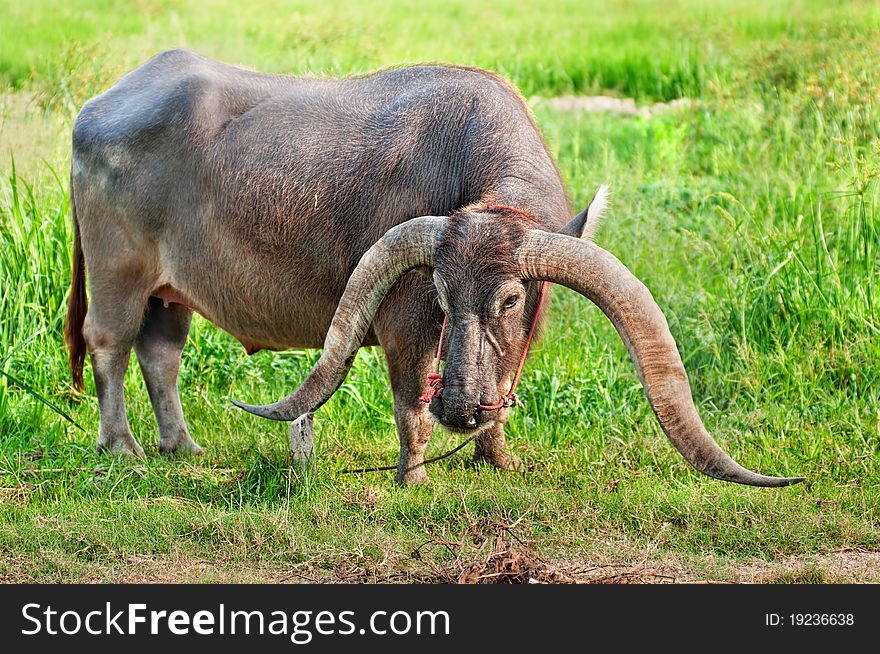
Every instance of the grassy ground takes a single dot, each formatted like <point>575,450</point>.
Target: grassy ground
<point>752,214</point>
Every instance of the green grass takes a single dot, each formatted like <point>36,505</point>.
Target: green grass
<point>752,215</point>
<point>643,48</point>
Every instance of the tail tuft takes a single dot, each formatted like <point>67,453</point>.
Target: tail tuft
<point>77,305</point>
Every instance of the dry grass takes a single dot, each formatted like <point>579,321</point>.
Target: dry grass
<point>504,561</point>
<point>30,135</point>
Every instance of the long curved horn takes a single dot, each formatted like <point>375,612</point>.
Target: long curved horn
<point>596,274</point>
<point>402,248</point>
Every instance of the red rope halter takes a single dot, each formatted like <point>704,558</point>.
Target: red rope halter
<point>435,379</point>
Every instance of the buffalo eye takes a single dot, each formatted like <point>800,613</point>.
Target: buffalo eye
<point>510,302</point>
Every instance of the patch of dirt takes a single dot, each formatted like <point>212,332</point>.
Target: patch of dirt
<point>829,567</point>
<point>845,566</point>
<point>624,106</point>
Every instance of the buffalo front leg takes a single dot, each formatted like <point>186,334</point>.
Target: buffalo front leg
<point>414,427</point>
<point>158,348</point>
<point>492,448</point>
<point>414,423</point>
<point>408,327</point>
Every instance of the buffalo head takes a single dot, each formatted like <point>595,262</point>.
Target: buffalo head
<point>487,269</point>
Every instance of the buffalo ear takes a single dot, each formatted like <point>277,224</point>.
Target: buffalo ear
<point>585,223</point>
<point>576,226</point>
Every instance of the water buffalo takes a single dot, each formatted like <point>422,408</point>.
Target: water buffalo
<point>285,209</point>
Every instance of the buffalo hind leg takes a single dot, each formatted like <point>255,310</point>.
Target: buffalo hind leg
<point>492,448</point>
<point>158,347</point>
<point>109,330</point>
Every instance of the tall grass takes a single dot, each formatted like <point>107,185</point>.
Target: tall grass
<point>34,257</point>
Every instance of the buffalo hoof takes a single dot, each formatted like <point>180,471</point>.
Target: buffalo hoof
<point>121,445</point>
<point>500,460</point>
<point>413,477</point>
<point>183,445</point>
<point>492,448</point>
